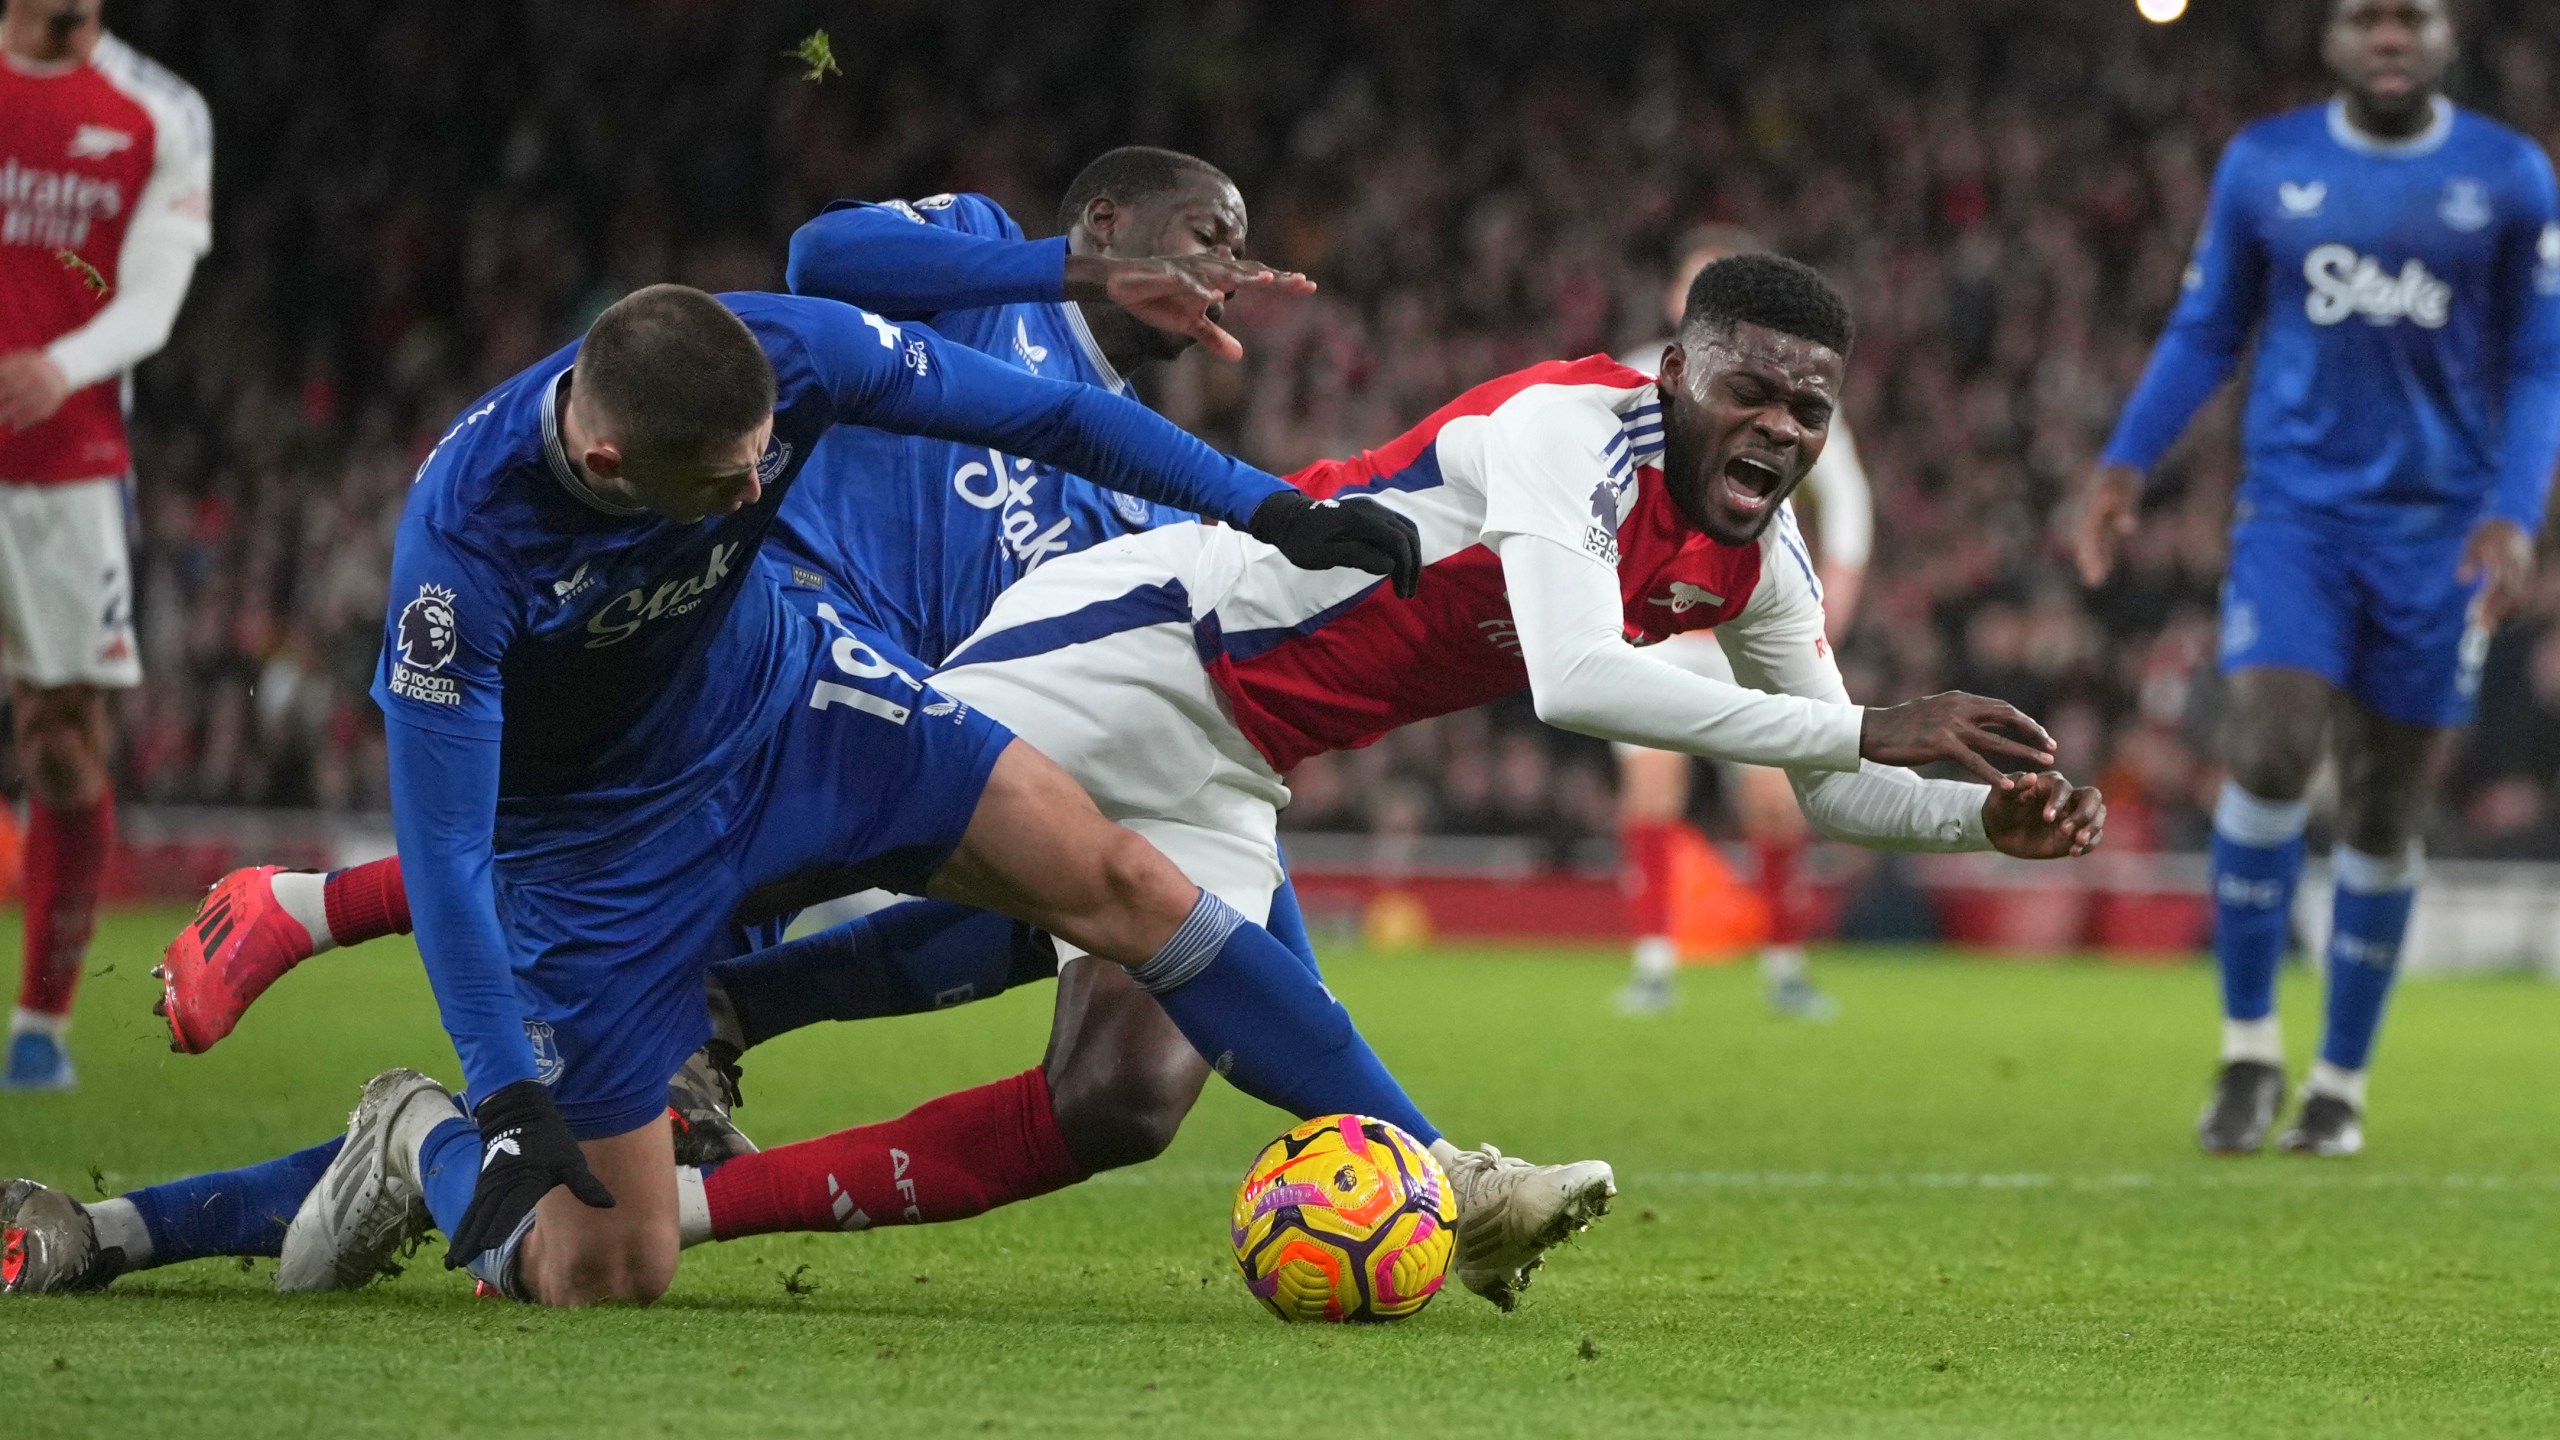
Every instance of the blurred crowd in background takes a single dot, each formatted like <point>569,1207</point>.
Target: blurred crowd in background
<point>415,199</point>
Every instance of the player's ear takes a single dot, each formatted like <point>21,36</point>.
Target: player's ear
<point>602,459</point>
<point>1102,217</point>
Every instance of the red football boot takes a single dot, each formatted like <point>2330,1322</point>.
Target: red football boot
<point>237,945</point>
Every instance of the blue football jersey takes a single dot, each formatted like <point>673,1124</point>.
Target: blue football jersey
<point>927,533</point>
<point>581,635</point>
<point>2405,296</point>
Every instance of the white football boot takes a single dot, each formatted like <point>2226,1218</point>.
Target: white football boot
<point>1510,1212</point>
<point>370,1203</point>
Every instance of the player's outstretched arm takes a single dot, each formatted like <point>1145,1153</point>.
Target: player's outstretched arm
<point>878,258</point>
<point>1585,677</point>
<point>908,380</point>
<point>875,257</point>
<point>1776,643</point>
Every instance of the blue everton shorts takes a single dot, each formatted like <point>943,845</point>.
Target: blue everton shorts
<point>2383,619</point>
<point>871,780</point>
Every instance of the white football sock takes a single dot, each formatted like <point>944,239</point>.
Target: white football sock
<point>303,894</point>
<point>1782,963</point>
<point>693,1208</point>
<point>1656,958</point>
<point>24,1021</point>
<point>2338,1081</point>
<point>2261,1040</point>
<point>119,1226</point>
<point>2254,820</point>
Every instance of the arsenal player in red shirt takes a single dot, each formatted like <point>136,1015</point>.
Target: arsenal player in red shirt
<point>106,192</point>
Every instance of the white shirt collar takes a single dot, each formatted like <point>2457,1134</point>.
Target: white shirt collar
<point>2425,142</point>
<point>1093,352</point>
<point>558,458</point>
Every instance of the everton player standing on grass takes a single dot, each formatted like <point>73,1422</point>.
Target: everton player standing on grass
<point>106,195</point>
<point>1150,238</point>
<point>2399,261</point>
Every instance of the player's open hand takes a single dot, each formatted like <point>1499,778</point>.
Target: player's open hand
<point>526,1151</point>
<point>2100,518</point>
<point>1184,294</point>
<point>2499,559</point>
<point>2044,817</point>
<point>1974,731</point>
<point>1354,534</point>
<point>32,387</point>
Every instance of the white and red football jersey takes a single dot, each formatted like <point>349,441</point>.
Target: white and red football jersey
<point>1312,661</point>
<point>86,150</point>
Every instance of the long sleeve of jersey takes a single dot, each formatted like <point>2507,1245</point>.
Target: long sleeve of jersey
<point>1585,677</point>
<point>444,790</point>
<point>2224,287</point>
<point>908,380</point>
<point>2531,285</point>
<point>879,258</point>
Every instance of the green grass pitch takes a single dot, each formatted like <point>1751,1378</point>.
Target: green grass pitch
<point>1970,1207</point>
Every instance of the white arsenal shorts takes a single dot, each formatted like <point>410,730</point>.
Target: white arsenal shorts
<point>66,585</point>
<point>1091,658</point>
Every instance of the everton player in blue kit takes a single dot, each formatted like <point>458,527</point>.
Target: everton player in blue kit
<point>2398,260</point>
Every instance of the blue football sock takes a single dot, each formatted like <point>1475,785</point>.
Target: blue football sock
<point>2370,916</point>
<point>230,1212</point>
<point>903,960</point>
<point>1288,925</point>
<point>2257,858</point>
<point>1249,1005</point>
<point>448,1169</point>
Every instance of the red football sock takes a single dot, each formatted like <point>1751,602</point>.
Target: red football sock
<point>366,902</point>
<point>66,851</point>
<point>1644,847</point>
<point>1778,860</point>
<point>947,1159</point>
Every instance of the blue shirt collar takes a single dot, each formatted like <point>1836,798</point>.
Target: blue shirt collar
<point>2425,142</point>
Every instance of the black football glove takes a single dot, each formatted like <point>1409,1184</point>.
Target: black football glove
<point>1354,534</point>
<point>525,1150</point>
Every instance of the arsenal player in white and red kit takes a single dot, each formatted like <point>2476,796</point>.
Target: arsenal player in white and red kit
<point>106,192</point>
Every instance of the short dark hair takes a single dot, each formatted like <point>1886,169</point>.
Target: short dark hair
<point>678,372</point>
<point>1130,174</point>
<point>1785,295</point>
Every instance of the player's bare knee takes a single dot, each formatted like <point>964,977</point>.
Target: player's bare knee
<point>2271,759</point>
<point>2382,821</point>
<point>1127,1115</point>
<point>1136,880</point>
